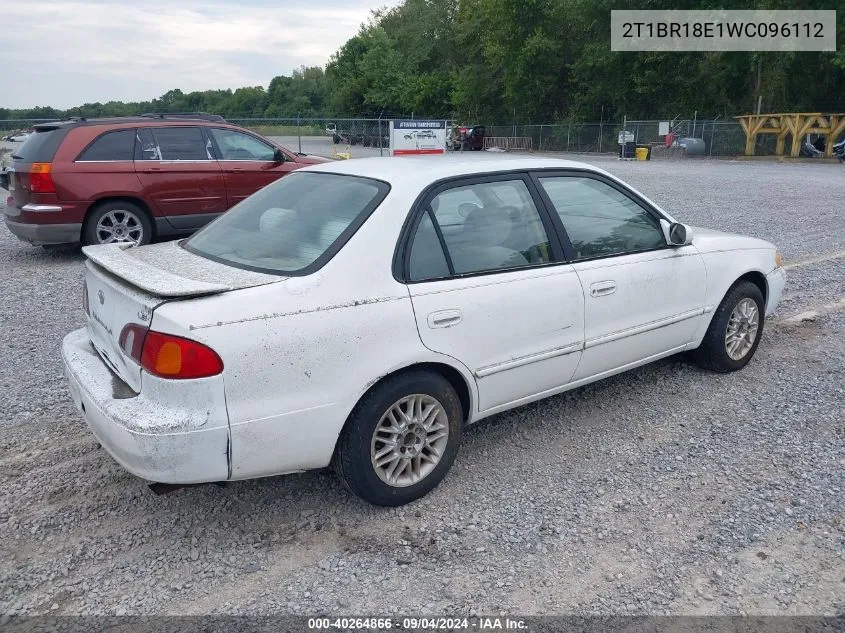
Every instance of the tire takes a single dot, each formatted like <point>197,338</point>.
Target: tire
<point>713,353</point>
<point>336,139</point>
<point>131,221</point>
<point>361,440</point>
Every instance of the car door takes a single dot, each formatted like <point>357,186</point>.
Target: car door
<point>643,299</point>
<point>247,162</point>
<point>180,175</point>
<point>490,289</point>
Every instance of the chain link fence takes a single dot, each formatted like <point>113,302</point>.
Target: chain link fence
<point>721,138</point>
<point>330,135</point>
<point>372,133</point>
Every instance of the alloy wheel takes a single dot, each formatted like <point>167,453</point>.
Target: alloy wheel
<point>119,226</point>
<point>741,331</point>
<point>409,440</point>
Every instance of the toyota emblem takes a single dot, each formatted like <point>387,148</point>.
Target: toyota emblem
<point>102,297</point>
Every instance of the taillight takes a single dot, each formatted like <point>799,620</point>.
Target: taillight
<point>131,341</point>
<point>85,299</point>
<point>40,180</point>
<point>168,356</point>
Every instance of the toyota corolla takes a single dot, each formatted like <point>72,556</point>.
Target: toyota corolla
<point>361,314</point>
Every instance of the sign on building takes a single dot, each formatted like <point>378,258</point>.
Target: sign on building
<point>626,137</point>
<point>417,137</point>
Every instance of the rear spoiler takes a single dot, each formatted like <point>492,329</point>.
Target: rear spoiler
<point>118,261</point>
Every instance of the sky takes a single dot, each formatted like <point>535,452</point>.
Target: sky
<point>65,53</point>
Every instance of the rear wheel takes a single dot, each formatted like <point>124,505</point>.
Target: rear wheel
<point>117,222</point>
<point>401,439</point>
<point>734,331</point>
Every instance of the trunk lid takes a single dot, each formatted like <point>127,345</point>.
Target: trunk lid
<point>125,285</point>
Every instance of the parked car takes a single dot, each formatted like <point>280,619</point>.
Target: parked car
<point>17,137</point>
<point>468,138</point>
<point>132,179</point>
<point>368,134</point>
<point>363,313</point>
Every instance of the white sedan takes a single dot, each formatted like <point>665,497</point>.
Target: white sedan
<point>360,314</point>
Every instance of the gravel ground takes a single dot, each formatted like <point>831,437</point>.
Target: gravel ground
<point>663,490</point>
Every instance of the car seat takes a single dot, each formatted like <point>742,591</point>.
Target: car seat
<point>481,244</point>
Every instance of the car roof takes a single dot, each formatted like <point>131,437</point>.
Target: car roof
<point>421,171</point>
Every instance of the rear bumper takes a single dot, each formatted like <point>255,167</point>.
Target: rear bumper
<point>158,435</point>
<point>47,222</point>
<point>45,233</point>
<point>775,280</point>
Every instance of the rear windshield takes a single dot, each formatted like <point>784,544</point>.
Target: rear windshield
<point>293,226</point>
<point>41,146</point>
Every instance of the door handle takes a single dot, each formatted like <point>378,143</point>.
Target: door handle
<point>602,288</point>
<point>444,318</point>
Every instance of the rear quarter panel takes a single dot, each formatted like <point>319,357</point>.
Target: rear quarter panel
<point>298,355</point>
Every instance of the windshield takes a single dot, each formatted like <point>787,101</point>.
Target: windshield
<point>292,226</point>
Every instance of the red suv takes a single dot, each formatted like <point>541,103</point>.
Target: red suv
<point>132,179</point>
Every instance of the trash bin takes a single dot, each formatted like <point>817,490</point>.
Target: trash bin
<point>647,148</point>
<point>627,150</point>
<point>642,153</point>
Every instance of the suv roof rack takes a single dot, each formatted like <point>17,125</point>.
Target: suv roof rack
<point>202,116</point>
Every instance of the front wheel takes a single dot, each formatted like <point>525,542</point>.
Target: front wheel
<point>735,330</point>
<point>401,439</point>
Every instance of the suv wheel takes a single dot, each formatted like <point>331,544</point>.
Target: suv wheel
<point>117,221</point>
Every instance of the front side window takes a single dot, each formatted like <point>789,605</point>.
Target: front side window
<point>115,145</point>
<point>236,145</point>
<point>485,227</point>
<point>601,220</point>
<point>294,224</point>
<point>180,143</point>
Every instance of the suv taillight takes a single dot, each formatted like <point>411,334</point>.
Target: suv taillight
<point>168,356</point>
<point>40,180</point>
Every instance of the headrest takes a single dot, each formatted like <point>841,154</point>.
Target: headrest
<point>487,227</point>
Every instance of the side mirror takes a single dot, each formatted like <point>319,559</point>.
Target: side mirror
<point>679,234</point>
<point>278,155</point>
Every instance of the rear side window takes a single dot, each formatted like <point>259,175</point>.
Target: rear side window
<point>292,226</point>
<point>486,227</point>
<point>181,143</point>
<point>428,261</point>
<point>40,147</point>
<point>116,145</point>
